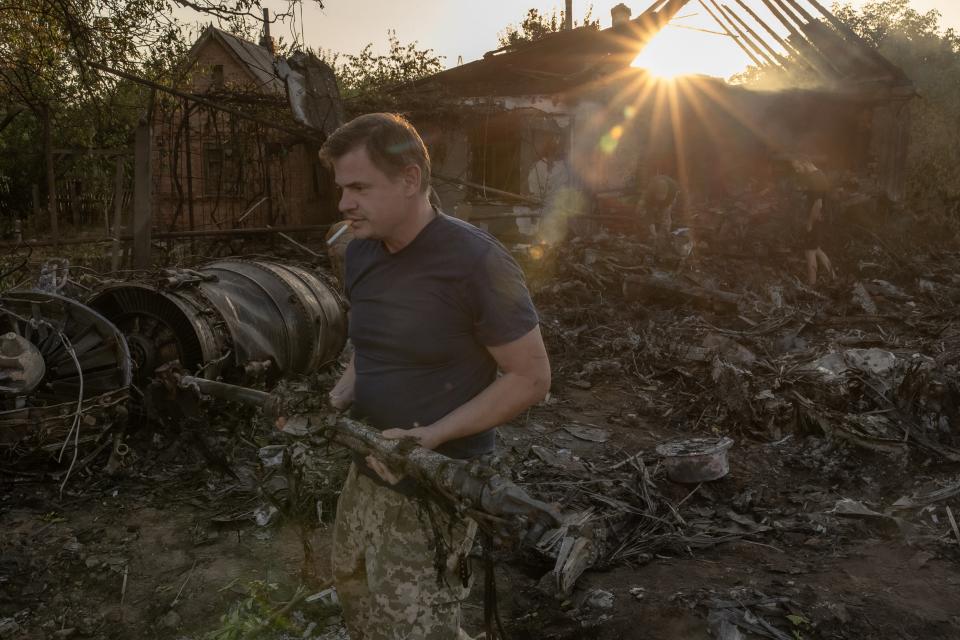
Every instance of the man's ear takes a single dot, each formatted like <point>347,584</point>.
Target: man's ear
<point>412,177</point>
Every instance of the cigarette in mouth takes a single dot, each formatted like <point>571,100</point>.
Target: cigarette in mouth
<point>342,230</point>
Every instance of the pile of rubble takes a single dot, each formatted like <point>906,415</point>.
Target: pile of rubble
<point>744,348</point>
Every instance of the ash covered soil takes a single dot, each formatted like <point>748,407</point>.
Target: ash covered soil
<point>835,521</point>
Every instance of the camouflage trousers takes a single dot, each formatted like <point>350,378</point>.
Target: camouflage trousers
<point>384,566</point>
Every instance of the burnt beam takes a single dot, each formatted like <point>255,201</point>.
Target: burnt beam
<point>753,34</point>
<point>736,39</point>
<point>743,36</point>
<point>789,48</point>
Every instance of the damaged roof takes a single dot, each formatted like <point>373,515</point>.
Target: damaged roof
<point>557,61</point>
<point>305,81</point>
<point>834,53</point>
<point>257,60</point>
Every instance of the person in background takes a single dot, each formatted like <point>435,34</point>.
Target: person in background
<point>816,188</point>
<point>550,181</point>
<point>657,204</point>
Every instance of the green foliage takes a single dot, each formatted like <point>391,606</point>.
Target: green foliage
<point>19,166</point>
<point>368,73</point>
<point>536,25</point>
<point>930,56</point>
<point>258,614</point>
<point>47,52</point>
<point>46,69</point>
<point>250,616</point>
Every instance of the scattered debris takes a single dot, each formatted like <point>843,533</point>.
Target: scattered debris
<point>930,497</point>
<point>853,509</point>
<point>862,298</point>
<point>599,599</point>
<point>9,628</point>
<point>590,434</point>
<point>833,406</point>
<point>170,620</point>
<point>667,288</point>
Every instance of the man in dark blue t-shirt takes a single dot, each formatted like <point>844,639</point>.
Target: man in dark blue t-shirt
<point>437,308</point>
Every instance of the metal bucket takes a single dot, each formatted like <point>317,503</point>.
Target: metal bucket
<point>697,460</point>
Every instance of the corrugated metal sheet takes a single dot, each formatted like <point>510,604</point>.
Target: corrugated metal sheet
<point>313,92</point>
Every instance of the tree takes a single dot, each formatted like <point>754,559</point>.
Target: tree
<point>50,52</point>
<point>930,56</point>
<point>367,73</point>
<point>37,71</point>
<point>536,25</point>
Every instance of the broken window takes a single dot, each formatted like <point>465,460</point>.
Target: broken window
<point>218,76</point>
<point>505,146</point>
<point>222,169</point>
<point>496,153</point>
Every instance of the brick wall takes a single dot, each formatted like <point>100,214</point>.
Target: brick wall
<point>252,162</point>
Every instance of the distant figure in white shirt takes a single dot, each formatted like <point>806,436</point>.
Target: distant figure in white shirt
<point>550,181</point>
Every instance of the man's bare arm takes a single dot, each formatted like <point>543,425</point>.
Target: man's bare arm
<point>525,381</point>
<point>341,396</point>
<point>816,212</point>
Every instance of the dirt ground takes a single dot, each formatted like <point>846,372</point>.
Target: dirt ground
<point>854,581</point>
<point>142,554</point>
<point>806,538</point>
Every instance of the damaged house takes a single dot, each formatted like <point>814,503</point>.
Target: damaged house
<point>252,162</point>
<point>498,126</point>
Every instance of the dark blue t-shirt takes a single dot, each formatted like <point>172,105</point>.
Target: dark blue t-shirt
<point>420,322</point>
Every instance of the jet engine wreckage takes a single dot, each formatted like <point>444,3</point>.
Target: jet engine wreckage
<point>240,320</point>
<point>71,373</point>
<point>69,369</point>
<point>65,374</point>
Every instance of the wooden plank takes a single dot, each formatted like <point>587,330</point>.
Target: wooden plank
<point>774,55</point>
<point>51,177</point>
<point>789,48</point>
<point>736,38</point>
<point>665,287</point>
<point>142,187</point>
<point>90,152</point>
<point>37,207</point>
<point>117,248</point>
<point>189,163</point>
<point>73,192</point>
<point>729,15</point>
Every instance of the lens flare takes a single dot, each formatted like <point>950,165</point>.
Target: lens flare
<point>608,144</point>
<point>682,52</point>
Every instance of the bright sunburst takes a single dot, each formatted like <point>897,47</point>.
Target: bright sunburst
<point>661,67</point>
<point>678,52</point>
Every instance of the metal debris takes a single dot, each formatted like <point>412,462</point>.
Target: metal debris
<point>67,374</point>
<point>242,320</point>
